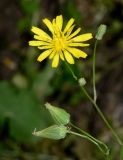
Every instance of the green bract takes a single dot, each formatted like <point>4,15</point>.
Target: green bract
<point>101,31</point>
<point>53,132</point>
<point>60,116</point>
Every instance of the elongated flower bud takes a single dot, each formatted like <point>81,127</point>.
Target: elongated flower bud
<point>53,132</point>
<point>101,31</point>
<point>60,116</point>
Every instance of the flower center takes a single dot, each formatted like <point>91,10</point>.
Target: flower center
<point>59,42</point>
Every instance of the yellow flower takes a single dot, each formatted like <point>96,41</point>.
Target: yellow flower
<point>62,44</point>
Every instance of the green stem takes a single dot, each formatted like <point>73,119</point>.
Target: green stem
<point>70,69</point>
<point>85,133</point>
<point>90,136</point>
<point>101,115</point>
<point>96,106</point>
<point>102,147</point>
<point>94,72</point>
<point>83,136</point>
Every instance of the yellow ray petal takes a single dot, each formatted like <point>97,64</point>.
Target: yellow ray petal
<point>42,38</point>
<point>44,55</point>
<point>56,28</point>
<point>55,61</point>
<point>70,30</point>
<point>61,56</point>
<point>74,33</point>
<point>45,47</point>
<point>37,43</point>
<point>54,23</point>
<point>77,52</point>
<point>83,37</point>
<point>78,44</point>
<point>40,32</point>
<point>59,21</point>
<point>48,23</point>
<point>69,24</point>
<point>34,43</point>
<point>52,54</point>
<point>68,57</point>
<point>73,53</point>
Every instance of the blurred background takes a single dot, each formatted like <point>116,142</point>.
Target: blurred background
<point>26,85</point>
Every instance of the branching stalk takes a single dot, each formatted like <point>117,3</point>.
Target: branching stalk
<point>102,147</point>
<point>95,105</point>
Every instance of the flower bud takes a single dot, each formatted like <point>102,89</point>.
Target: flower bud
<point>82,81</point>
<point>101,31</point>
<point>53,132</point>
<point>60,116</point>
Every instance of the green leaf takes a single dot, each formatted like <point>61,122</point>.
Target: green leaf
<point>23,110</point>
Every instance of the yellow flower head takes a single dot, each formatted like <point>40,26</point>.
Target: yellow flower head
<point>63,42</point>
